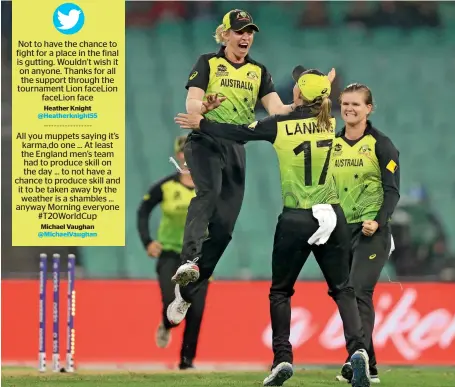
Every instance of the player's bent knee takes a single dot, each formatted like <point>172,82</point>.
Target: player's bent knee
<point>345,290</point>
<point>209,195</point>
<point>363,293</point>
<point>277,294</point>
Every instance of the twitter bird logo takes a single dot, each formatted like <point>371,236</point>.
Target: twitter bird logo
<point>69,18</point>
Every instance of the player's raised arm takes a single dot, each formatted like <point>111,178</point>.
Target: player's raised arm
<point>272,101</point>
<point>263,130</point>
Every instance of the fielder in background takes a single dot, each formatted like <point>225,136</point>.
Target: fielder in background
<point>173,194</point>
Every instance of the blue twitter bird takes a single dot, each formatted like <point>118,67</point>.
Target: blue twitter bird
<point>68,18</point>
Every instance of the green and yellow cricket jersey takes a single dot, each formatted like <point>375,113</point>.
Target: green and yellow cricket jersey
<point>303,150</point>
<point>174,198</point>
<point>243,84</point>
<point>367,176</point>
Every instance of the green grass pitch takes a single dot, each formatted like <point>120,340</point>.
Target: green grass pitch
<point>411,377</point>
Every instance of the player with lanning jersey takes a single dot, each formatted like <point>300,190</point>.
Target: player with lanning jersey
<point>311,220</point>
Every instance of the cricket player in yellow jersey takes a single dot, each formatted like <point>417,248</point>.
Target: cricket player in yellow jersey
<point>367,176</point>
<point>312,219</point>
<point>173,194</point>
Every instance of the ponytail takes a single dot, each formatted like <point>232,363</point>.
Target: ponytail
<point>219,34</point>
<point>324,115</point>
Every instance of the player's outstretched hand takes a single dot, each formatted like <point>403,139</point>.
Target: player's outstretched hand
<point>297,96</point>
<point>188,121</point>
<point>331,75</point>
<point>213,101</point>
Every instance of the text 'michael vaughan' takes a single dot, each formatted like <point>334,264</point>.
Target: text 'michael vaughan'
<point>79,227</point>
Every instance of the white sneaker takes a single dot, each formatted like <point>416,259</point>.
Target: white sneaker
<point>163,336</point>
<point>279,375</point>
<point>375,379</point>
<point>360,369</point>
<point>186,273</point>
<point>177,309</point>
<point>340,378</point>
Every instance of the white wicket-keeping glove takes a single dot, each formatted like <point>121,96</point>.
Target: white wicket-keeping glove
<point>327,219</point>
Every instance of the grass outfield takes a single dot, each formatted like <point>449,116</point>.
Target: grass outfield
<point>394,377</point>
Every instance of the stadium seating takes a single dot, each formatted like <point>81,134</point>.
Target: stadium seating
<point>413,92</point>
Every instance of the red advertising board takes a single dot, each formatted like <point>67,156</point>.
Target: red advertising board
<point>116,321</point>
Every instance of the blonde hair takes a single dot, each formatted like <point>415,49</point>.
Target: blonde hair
<point>219,34</point>
<point>179,143</point>
<point>324,115</point>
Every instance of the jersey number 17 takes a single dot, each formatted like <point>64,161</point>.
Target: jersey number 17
<point>305,147</point>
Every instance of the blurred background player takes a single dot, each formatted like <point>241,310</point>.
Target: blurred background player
<point>367,177</point>
<point>312,219</point>
<point>218,165</point>
<point>173,194</point>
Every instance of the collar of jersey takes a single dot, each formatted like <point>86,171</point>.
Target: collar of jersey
<point>367,130</point>
<point>305,109</point>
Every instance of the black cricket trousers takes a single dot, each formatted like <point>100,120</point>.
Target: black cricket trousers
<point>217,167</point>
<point>166,266</point>
<point>290,252</point>
<point>368,256</point>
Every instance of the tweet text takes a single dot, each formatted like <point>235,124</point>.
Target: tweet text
<point>68,122</point>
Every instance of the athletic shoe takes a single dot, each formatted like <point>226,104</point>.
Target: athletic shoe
<point>360,369</point>
<point>176,311</point>
<point>279,375</point>
<point>186,273</point>
<point>346,373</point>
<point>186,365</point>
<point>163,336</point>
<point>375,379</point>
